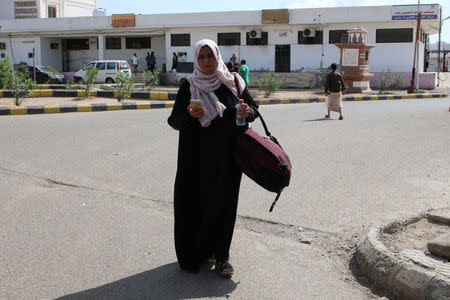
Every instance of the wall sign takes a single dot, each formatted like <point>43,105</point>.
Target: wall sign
<point>409,12</point>
<point>350,57</point>
<point>127,20</point>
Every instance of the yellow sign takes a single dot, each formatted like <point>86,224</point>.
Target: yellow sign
<point>127,20</point>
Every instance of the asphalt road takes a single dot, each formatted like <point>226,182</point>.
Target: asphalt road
<point>85,206</point>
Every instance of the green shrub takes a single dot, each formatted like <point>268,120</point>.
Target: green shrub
<point>152,79</point>
<point>89,79</point>
<point>270,83</point>
<point>388,80</point>
<point>124,86</point>
<point>69,85</point>
<point>4,72</point>
<point>20,86</point>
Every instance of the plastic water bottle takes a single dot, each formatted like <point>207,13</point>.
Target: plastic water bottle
<point>240,121</point>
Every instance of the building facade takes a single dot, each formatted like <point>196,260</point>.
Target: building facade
<point>294,40</point>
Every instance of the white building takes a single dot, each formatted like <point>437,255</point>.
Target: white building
<point>274,40</point>
<point>32,9</point>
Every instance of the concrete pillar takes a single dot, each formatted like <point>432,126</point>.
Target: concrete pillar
<point>100,47</point>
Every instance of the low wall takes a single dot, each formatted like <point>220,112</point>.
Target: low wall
<point>427,80</point>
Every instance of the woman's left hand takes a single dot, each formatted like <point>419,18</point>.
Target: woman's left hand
<point>244,111</point>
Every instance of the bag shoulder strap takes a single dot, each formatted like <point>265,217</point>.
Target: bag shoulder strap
<point>236,83</point>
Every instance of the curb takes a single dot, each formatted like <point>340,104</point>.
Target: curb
<point>402,278</point>
<point>353,98</point>
<point>165,100</point>
<point>95,93</point>
<point>40,109</point>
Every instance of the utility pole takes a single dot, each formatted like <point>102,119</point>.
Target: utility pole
<point>413,73</point>
<point>439,47</point>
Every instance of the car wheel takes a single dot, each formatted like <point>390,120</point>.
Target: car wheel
<point>109,80</point>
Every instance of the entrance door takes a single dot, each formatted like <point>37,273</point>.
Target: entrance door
<point>282,58</point>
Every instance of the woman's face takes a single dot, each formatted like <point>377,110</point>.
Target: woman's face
<point>207,61</point>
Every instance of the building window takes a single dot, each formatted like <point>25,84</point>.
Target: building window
<point>78,44</point>
<point>2,46</point>
<point>312,39</point>
<point>53,45</point>
<point>337,36</point>
<point>394,35</point>
<point>51,11</point>
<point>183,39</point>
<point>257,41</point>
<point>141,42</point>
<point>114,43</point>
<point>25,9</point>
<point>229,38</point>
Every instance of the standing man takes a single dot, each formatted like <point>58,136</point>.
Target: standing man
<point>135,62</point>
<point>174,62</point>
<point>334,89</point>
<point>152,61</point>
<point>147,59</point>
<point>244,71</point>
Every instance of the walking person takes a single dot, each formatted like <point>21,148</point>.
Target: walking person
<point>244,71</point>
<point>152,62</point>
<point>135,62</point>
<point>334,89</point>
<point>208,179</point>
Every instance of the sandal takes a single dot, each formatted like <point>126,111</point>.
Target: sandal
<point>327,116</point>
<point>209,261</point>
<point>224,268</point>
<point>341,117</point>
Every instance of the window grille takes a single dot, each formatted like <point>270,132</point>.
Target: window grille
<point>52,11</point>
<point>25,10</point>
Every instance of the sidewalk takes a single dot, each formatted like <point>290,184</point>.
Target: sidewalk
<point>60,101</point>
<point>410,259</point>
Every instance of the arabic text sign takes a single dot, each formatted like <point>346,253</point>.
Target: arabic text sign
<point>409,12</point>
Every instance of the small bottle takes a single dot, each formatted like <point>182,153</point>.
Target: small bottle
<point>240,121</point>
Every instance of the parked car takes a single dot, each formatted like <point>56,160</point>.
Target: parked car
<point>107,70</point>
<point>44,75</point>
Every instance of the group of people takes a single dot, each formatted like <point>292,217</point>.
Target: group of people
<point>150,59</point>
<point>208,180</point>
<point>242,69</point>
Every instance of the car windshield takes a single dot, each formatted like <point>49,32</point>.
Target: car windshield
<point>124,65</point>
<point>43,69</point>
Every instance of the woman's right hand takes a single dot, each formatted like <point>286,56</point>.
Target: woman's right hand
<point>196,112</point>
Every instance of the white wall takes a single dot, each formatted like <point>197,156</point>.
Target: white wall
<point>52,57</point>
<point>157,46</point>
<point>79,58</point>
<point>21,47</point>
<point>7,9</point>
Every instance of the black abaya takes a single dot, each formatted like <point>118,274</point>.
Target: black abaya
<point>207,181</point>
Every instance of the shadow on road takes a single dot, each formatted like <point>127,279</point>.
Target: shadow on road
<point>165,282</point>
<point>319,119</point>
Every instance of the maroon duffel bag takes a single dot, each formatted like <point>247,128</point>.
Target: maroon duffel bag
<point>263,160</point>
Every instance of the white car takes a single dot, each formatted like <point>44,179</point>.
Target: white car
<point>107,70</point>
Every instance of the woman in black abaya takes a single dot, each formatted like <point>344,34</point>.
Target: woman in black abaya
<point>207,181</point>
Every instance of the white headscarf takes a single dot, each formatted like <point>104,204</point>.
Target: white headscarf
<point>202,86</point>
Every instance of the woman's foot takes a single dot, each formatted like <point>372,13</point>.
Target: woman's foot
<point>209,261</point>
<point>327,116</point>
<point>224,268</point>
<point>341,117</point>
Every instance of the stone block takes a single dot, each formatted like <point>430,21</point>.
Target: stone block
<point>439,289</point>
<point>440,246</point>
<point>411,282</point>
<point>440,216</point>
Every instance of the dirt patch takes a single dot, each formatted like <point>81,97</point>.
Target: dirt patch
<point>413,236</point>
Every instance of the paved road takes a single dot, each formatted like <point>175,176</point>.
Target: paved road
<point>86,201</point>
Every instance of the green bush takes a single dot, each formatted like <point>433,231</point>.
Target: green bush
<point>124,86</point>
<point>152,79</point>
<point>89,79</point>
<point>270,83</point>
<point>389,80</point>
<point>4,72</point>
<point>20,86</point>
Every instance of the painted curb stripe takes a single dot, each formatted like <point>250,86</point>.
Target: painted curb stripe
<point>1,93</point>
<point>68,108</point>
<point>157,104</point>
<point>65,93</point>
<point>5,111</point>
<point>172,96</point>
<point>129,105</point>
<point>105,94</point>
<point>18,111</point>
<point>294,100</point>
<point>140,95</point>
<point>80,93</point>
<point>51,110</point>
<point>31,110</point>
<point>99,106</point>
<point>115,106</point>
<point>84,108</point>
